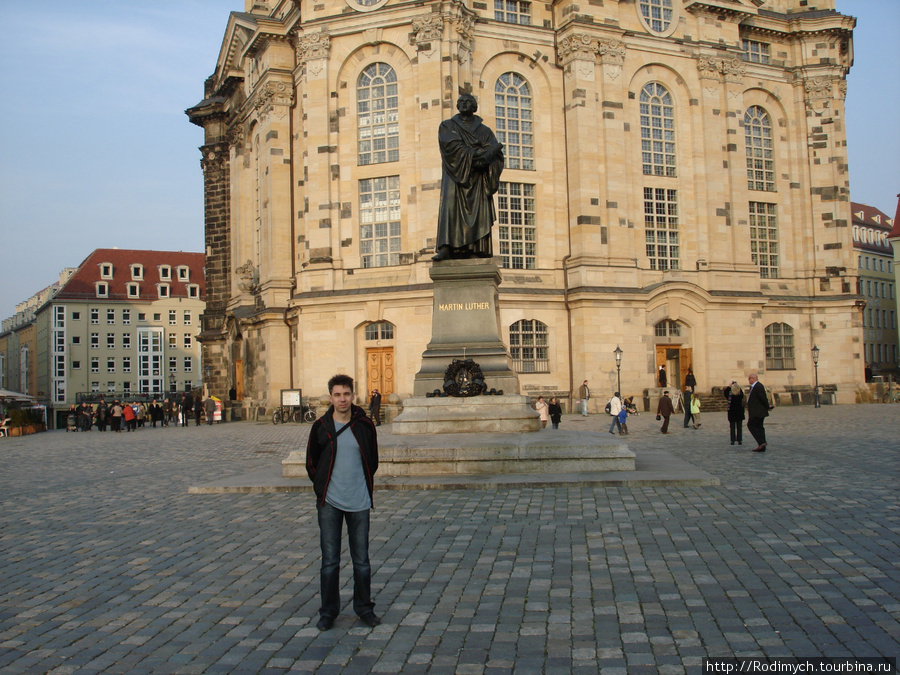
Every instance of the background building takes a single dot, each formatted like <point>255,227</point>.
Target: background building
<point>676,185</point>
<point>124,324</point>
<point>875,262</point>
<point>19,358</point>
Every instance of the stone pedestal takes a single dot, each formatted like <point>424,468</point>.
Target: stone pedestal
<point>548,453</point>
<point>466,325</point>
<point>475,414</point>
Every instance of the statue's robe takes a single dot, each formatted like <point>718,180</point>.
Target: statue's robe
<point>472,160</point>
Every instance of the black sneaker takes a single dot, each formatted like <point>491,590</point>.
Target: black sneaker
<point>325,623</point>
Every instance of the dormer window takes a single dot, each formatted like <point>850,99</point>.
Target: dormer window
<point>184,273</point>
<point>134,290</point>
<point>106,271</point>
<point>163,290</point>
<point>102,289</point>
<point>165,272</point>
<point>137,272</point>
<point>193,291</point>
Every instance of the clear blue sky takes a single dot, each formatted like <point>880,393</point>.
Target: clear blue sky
<point>97,152</point>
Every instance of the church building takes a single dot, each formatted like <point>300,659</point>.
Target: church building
<point>675,186</point>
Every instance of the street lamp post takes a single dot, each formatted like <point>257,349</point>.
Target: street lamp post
<point>815,357</point>
<point>618,354</point>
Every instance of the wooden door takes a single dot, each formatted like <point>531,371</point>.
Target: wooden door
<point>239,378</point>
<point>380,371</point>
<point>684,362</point>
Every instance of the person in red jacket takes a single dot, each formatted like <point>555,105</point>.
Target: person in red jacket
<point>342,468</point>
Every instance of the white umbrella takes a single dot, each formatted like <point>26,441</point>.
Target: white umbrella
<point>7,396</point>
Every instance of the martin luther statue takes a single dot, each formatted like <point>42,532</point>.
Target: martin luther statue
<point>472,160</point>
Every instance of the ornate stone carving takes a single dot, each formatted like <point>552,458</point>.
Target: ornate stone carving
<point>427,28</point>
<point>578,46</point>
<point>274,97</point>
<point>247,277</point>
<point>214,160</point>
<point>236,137</point>
<point>612,52</point>
<point>820,91</point>
<point>734,69</point>
<point>312,46</point>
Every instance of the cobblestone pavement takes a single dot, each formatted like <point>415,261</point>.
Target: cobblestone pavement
<point>107,564</point>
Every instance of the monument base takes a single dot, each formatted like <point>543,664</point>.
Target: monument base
<point>547,453</point>
<point>509,413</point>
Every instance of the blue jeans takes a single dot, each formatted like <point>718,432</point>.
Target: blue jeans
<point>330,526</point>
<point>615,424</point>
<point>584,407</point>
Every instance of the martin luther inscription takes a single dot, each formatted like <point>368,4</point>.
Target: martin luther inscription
<point>463,306</point>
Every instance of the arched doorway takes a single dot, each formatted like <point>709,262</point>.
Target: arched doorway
<point>379,340</point>
<point>672,352</point>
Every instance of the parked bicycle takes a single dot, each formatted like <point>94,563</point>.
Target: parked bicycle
<point>298,414</point>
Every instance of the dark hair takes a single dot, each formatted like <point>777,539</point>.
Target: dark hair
<point>342,380</point>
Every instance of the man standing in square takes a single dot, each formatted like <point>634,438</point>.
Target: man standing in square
<point>757,411</point>
<point>342,467</point>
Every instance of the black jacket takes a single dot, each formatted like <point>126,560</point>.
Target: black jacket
<point>757,401</point>
<point>735,405</point>
<point>322,447</point>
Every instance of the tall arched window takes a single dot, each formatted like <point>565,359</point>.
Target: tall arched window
<point>512,108</point>
<point>377,115</point>
<point>657,131</point>
<point>758,142</point>
<point>528,346</point>
<point>779,347</point>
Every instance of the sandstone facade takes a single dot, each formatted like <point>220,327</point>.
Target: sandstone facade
<point>676,185</point>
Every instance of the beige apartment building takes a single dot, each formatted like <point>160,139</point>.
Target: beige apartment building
<point>124,325</point>
<point>676,186</point>
<point>877,286</point>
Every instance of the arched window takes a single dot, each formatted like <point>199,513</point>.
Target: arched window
<point>377,115</point>
<point>758,142</point>
<point>667,328</point>
<point>657,131</point>
<point>512,108</point>
<point>779,347</point>
<point>528,346</point>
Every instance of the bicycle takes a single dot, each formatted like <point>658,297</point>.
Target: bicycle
<point>891,396</point>
<point>306,413</point>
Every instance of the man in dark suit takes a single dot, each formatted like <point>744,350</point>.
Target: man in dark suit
<point>757,412</point>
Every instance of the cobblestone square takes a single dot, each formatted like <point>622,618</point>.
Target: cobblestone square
<point>108,564</point>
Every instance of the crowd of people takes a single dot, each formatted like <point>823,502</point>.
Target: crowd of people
<point>130,416</point>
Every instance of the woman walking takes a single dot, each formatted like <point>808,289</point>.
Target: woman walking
<point>555,411</point>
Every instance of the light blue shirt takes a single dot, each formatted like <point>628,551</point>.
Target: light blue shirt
<point>347,488</point>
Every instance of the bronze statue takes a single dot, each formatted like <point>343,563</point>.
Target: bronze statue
<point>472,160</point>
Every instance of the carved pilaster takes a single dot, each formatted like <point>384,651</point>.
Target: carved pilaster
<point>274,98</point>
<point>612,56</point>
<point>577,47</point>
<point>713,70</point>
<point>311,50</point>
<point>820,90</point>
<point>214,161</point>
